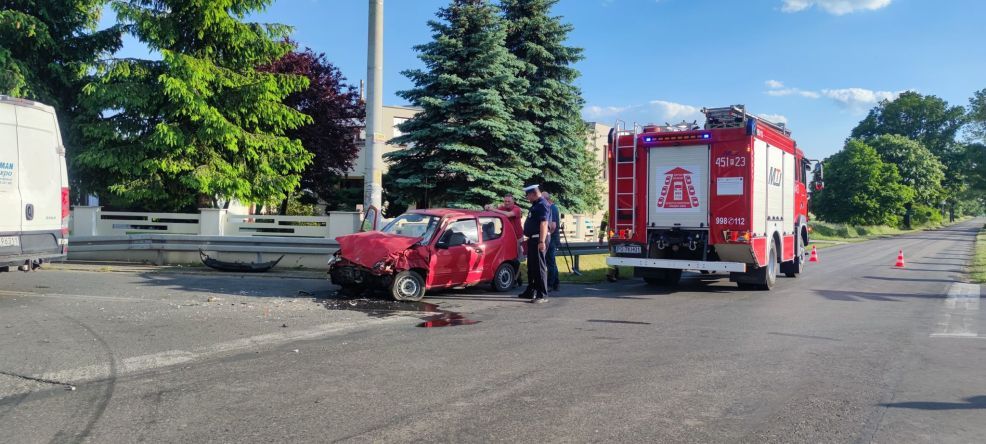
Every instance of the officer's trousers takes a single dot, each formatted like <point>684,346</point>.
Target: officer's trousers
<point>550,256</point>
<point>537,271</point>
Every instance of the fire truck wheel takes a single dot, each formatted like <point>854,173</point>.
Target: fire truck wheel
<point>408,286</point>
<point>613,274</point>
<point>794,267</point>
<point>768,274</point>
<point>503,279</point>
<point>670,278</point>
<point>764,277</point>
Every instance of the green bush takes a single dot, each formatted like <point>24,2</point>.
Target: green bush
<point>925,215</point>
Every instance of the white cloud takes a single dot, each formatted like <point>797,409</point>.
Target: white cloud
<point>836,7</point>
<point>776,118</point>
<point>854,99</point>
<point>857,99</point>
<point>675,111</point>
<point>793,92</point>
<point>655,111</point>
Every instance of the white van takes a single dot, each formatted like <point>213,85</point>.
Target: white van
<point>34,201</point>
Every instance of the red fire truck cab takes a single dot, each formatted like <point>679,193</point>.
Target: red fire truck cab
<point>729,197</point>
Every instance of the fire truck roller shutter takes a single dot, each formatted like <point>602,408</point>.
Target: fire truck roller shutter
<point>678,187</point>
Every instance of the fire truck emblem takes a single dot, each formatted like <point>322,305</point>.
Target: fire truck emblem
<point>678,190</point>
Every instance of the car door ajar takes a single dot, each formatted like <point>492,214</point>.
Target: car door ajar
<point>455,265</point>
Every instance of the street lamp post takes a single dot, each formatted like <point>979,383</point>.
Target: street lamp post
<point>373,176</point>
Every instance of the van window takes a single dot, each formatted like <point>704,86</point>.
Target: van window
<point>492,228</point>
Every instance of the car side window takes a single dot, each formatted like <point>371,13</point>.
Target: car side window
<point>465,226</point>
<point>492,228</point>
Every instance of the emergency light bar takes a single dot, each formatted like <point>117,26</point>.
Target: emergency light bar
<point>669,138</point>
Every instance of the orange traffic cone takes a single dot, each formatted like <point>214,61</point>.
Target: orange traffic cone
<point>900,259</point>
<point>814,255</point>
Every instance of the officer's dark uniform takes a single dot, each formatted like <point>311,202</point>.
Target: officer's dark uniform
<point>537,267</point>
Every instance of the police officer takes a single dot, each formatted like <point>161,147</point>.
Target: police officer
<point>554,227</point>
<point>536,231</point>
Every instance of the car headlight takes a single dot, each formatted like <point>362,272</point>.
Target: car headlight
<point>380,265</point>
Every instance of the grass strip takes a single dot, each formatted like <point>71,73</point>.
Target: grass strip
<point>978,271</point>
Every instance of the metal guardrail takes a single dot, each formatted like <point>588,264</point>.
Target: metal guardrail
<point>163,243</point>
<point>179,242</point>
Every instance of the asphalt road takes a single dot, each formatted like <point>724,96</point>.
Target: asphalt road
<point>853,351</point>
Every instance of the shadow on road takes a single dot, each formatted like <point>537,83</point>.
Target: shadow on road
<point>975,402</point>
<point>860,296</point>
<point>882,278</point>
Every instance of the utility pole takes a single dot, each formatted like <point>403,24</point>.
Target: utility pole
<point>373,176</point>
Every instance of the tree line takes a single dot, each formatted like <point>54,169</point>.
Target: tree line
<point>227,109</point>
<point>912,160</point>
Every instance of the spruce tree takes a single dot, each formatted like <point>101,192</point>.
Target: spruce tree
<point>48,49</point>
<point>465,148</point>
<point>201,125</point>
<point>563,165</point>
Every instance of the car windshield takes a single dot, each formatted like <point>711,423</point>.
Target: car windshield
<point>413,225</point>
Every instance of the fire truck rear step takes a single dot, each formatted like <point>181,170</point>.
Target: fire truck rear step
<point>676,264</point>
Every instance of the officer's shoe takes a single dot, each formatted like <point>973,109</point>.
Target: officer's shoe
<point>526,295</point>
<point>540,300</point>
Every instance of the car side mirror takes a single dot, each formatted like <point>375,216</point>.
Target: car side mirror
<point>819,177</point>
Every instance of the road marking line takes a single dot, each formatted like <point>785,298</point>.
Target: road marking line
<point>168,358</point>
<point>960,313</point>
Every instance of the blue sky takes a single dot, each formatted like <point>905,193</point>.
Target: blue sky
<point>817,64</point>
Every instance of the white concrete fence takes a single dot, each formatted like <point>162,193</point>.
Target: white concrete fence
<point>175,238</point>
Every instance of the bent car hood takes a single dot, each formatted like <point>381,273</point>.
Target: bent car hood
<point>370,247</point>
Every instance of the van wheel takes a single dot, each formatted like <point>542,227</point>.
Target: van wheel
<point>766,276</point>
<point>503,279</point>
<point>408,286</point>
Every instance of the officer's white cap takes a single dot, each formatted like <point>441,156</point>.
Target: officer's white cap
<point>531,188</point>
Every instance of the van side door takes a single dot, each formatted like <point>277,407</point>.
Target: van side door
<point>40,170</point>
<point>11,211</point>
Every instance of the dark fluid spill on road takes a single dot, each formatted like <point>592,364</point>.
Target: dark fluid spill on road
<point>379,307</point>
<point>382,308</point>
<point>446,319</point>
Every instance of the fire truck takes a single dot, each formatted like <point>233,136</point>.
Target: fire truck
<point>731,196</point>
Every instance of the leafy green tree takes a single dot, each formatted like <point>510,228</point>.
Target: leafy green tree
<point>465,148</point>
<point>860,188</point>
<point>202,125</point>
<point>563,165</point>
<point>48,51</point>
<point>926,119</point>
<point>977,115</point>
<point>918,168</point>
<point>337,114</point>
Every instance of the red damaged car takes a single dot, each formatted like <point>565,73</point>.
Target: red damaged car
<point>429,249</point>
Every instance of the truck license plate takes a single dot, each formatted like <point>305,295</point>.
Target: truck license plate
<point>628,249</point>
<point>9,241</point>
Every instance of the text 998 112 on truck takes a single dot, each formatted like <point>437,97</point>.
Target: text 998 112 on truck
<point>727,197</point>
<point>34,194</point>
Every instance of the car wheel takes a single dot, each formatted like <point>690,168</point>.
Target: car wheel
<point>408,286</point>
<point>503,279</point>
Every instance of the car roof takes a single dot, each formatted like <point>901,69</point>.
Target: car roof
<point>455,212</point>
